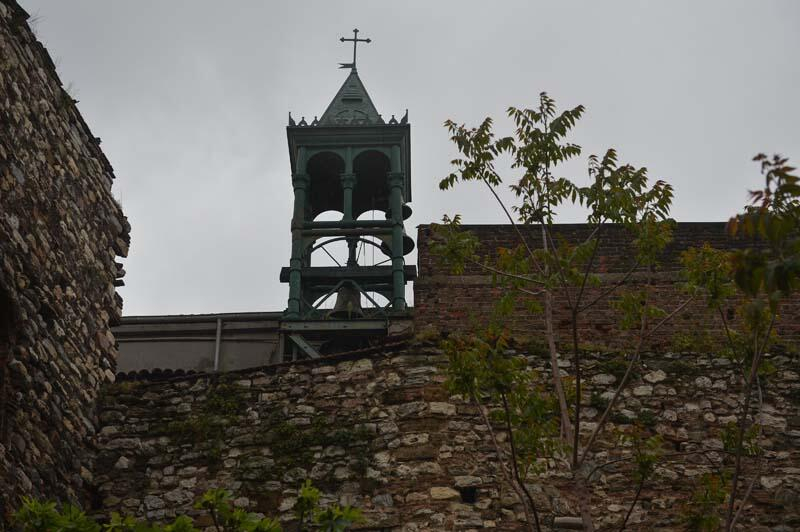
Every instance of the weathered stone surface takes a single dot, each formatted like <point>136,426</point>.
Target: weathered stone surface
<point>443,493</point>
<point>467,481</point>
<point>60,232</point>
<point>655,376</point>
<point>426,462</point>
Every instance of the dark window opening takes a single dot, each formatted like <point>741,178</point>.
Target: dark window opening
<point>325,191</point>
<point>469,495</point>
<point>372,185</point>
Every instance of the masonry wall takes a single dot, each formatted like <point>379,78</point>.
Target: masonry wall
<point>379,430</point>
<point>60,231</point>
<point>454,302</point>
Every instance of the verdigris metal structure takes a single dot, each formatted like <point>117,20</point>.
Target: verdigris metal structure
<point>350,161</point>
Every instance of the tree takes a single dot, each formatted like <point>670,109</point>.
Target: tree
<point>757,279</point>
<point>617,194</point>
<point>767,275</point>
<point>541,420</point>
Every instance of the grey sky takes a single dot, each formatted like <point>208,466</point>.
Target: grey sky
<point>191,101</point>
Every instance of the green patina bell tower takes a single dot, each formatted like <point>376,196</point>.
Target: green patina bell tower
<point>353,162</point>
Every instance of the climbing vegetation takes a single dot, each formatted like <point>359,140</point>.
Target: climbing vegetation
<point>216,504</point>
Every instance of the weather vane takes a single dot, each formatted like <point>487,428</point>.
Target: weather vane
<point>355,40</point>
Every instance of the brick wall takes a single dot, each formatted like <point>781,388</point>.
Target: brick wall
<point>451,301</point>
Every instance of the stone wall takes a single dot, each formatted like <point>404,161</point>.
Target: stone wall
<point>380,431</point>
<point>451,302</point>
<point>60,231</point>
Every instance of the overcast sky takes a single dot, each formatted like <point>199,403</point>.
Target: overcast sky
<point>191,100</point>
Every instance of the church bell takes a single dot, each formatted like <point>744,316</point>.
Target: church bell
<point>348,304</point>
<point>408,242</point>
<point>386,244</point>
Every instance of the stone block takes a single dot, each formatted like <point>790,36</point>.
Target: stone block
<point>444,493</point>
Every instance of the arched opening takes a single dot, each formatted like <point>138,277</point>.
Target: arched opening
<point>325,192</point>
<point>372,184</point>
<point>328,251</point>
<point>372,214</point>
<point>328,216</point>
<point>371,255</point>
<point>370,301</point>
<point>325,302</point>
<point>375,300</point>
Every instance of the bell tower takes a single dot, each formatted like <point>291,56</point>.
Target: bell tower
<point>350,161</point>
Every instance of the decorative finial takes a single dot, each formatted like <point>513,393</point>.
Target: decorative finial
<point>291,120</point>
<point>355,40</point>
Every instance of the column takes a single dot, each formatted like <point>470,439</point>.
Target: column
<point>396,184</point>
<point>300,182</point>
<point>348,183</point>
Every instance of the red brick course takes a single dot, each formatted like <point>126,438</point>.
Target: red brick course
<point>450,302</point>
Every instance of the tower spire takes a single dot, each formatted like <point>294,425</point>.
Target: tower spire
<point>355,40</point>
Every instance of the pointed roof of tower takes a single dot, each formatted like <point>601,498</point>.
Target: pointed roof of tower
<point>351,106</point>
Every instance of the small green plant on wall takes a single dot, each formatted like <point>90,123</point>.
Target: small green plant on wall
<point>38,516</point>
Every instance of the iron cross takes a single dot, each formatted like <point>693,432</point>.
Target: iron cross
<point>355,40</point>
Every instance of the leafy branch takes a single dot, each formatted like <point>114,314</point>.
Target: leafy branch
<point>38,516</point>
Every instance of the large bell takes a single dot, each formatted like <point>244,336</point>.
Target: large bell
<point>386,244</point>
<point>348,304</point>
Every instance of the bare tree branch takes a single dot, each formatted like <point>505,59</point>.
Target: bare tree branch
<point>506,274</point>
<point>534,523</point>
<point>613,287</point>
<point>742,422</point>
<point>634,359</point>
<point>520,480</point>
<point>633,504</point>
<point>514,225</point>
<point>589,265</point>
